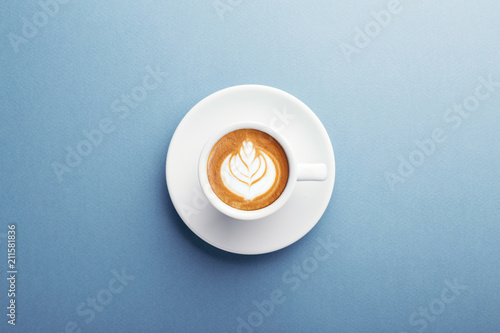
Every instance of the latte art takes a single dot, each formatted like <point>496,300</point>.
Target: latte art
<point>248,174</point>
<point>247,169</point>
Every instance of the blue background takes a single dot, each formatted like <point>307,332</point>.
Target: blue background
<point>397,247</point>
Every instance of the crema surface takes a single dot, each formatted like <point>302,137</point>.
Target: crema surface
<point>248,169</point>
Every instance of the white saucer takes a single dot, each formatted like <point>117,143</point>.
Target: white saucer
<point>298,124</point>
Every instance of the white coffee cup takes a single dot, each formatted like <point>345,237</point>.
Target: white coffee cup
<point>297,172</point>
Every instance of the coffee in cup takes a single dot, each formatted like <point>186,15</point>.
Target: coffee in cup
<point>248,169</point>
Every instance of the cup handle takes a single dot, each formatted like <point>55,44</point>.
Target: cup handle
<point>312,172</point>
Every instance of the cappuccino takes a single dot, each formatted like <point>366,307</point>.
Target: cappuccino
<point>247,169</point>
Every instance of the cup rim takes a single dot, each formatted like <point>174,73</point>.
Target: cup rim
<point>224,207</point>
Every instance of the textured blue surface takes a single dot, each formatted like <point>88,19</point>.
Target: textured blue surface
<point>403,234</point>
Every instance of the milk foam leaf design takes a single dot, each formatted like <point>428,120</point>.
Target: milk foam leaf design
<point>248,173</point>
